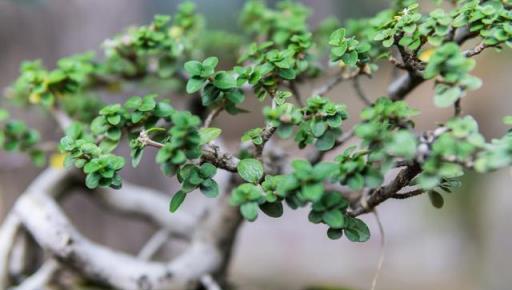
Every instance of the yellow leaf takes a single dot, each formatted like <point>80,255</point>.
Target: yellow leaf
<point>426,54</point>
<point>57,160</point>
<point>176,32</point>
<point>34,98</point>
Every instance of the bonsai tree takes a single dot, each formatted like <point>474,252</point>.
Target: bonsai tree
<point>277,54</point>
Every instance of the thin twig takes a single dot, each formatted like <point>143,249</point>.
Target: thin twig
<point>145,140</point>
<point>457,107</point>
<point>359,91</point>
<point>382,250</point>
<point>267,133</point>
<point>477,49</point>
<point>331,84</point>
<point>296,93</point>
<point>212,115</point>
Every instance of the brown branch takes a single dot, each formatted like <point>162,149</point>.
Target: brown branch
<point>213,154</point>
<point>210,152</point>
<point>457,108</point>
<point>328,86</point>
<point>406,83</point>
<point>212,115</point>
<point>267,133</point>
<point>408,194</point>
<point>383,193</point>
<point>477,49</point>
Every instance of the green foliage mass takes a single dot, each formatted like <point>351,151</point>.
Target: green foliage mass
<point>277,52</point>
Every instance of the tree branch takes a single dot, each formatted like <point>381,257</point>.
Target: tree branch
<point>359,91</point>
<point>8,232</point>
<point>137,201</point>
<point>62,119</point>
<point>52,230</point>
<point>406,83</point>
<point>296,93</point>
<point>331,84</point>
<point>408,194</point>
<point>40,278</point>
<point>153,245</point>
<point>477,49</point>
<point>50,181</point>
<point>212,115</point>
<point>213,154</point>
<point>383,193</point>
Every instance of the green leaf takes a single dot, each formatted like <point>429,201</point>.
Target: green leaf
<point>287,74</point>
<point>350,58</point>
<point>357,231</point>
<point>92,180</point>
<point>356,182</point>
<point>249,211</point>
<point>388,42</point>
<point>436,199</point>
<point>92,166</point>
<point>250,170</point>
<point>207,170</point>
<point>326,142</point>
<point>136,155</point>
<point>163,110</point>
<point>114,120</point>
<point>312,192</point>
<point>334,234</point>
<point>324,170</point>
<point>446,97</point>
<point>507,120</point>
<point>334,219</point>
<point>235,96</point>
<point>224,81</point>
<point>403,144</point>
<point>3,114</point>
<point>37,157</point>
<point>337,36</point>
<point>209,65</point>
<point>209,134</point>
<point>148,104</point>
<point>133,103</point>
<point>177,200</point>
<point>193,67</point>
<point>426,181</point>
<point>194,84</point>
<point>209,188</point>
<point>318,127</point>
<point>272,209</point>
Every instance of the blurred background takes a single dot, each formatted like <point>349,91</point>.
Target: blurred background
<point>466,245</point>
